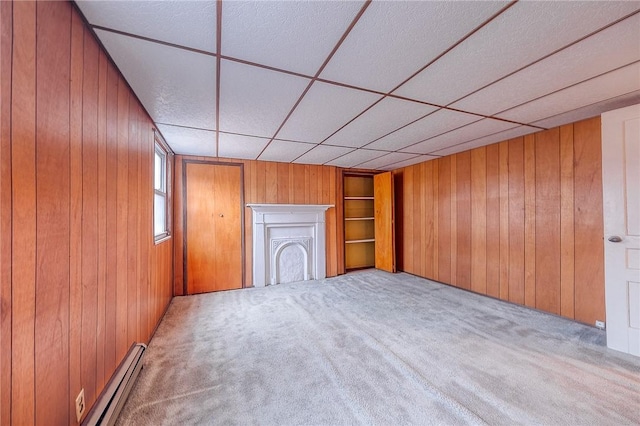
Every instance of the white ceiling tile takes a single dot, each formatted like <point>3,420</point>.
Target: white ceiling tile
<point>323,110</point>
<point>616,83</point>
<point>386,160</point>
<point>524,33</point>
<point>583,60</point>
<point>186,141</point>
<point>386,116</point>
<point>410,162</point>
<point>590,110</point>
<point>239,146</point>
<point>284,151</point>
<point>356,157</point>
<point>174,85</point>
<point>293,35</point>
<point>254,100</point>
<point>158,20</point>
<point>392,40</point>
<point>430,126</point>
<point>322,154</point>
<point>475,130</point>
<point>487,140</point>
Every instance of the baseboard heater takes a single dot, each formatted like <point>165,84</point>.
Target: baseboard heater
<point>110,402</point>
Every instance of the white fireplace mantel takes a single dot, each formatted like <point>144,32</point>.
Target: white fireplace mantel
<point>280,226</point>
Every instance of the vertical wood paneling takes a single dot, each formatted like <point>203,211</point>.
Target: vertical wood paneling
<point>64,181</point>
<point>102,217</point>
<point>429,220</point>
<point>589,274</point>
<point>23,146</point>
<point>111,222</point>
<point>548,221</point>
<point>418,260</point>
<point>75,207</point>
<point>463,228</point>
<point>271,183</point>
<point>503,172</point>
<point>6,16</point>
<point>444,219</point>
<point>121,220</point>
<point>398,190</point>
<point>530,221</point>
<point>479,220</point>
<point>454,220</point>
<point>566,222</point>
<point>520,220</point>
<point>493,220</point>
<point>516,221</point>
<point>52,203</point>
<point>178,219</point>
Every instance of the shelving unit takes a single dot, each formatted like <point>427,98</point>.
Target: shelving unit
<point>359,222</point>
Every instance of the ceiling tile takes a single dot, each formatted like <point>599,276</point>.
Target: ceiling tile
<point>158,20</point>
<point>392,40</point>
<point>356,157</point>
<point>174,85</point>
<point>185,141</point>
<point>293,35</point>
<point>322,154</point>
<point>239,146</point>
<point>284,151</point>
<point>487,140</point>
<point>463,134</point>
<point>579,62</point>
<point>410,162</point>
<point>430,126</point>
<point>254,100</point>
<point>524,33</point>
<point>386,160</point>
<point>616,83</point>
<point>323,110</point>
<point>384,117</point>
<point>590,110</point>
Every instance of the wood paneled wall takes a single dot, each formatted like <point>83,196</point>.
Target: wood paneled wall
<point>281,183</point>
<point>520,220</point>
<point>81,277</point>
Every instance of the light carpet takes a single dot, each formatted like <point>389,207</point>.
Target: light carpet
<point>375,348</point>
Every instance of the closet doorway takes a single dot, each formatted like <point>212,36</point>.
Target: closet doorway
<point>213,226</point>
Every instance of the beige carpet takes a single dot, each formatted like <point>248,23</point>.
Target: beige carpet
<point>377,349</point>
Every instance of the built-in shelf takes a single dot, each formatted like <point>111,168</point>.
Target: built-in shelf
<point>369,240</point>
<point>358,198</point>
<point>358,218</point>
<point>359,229</point>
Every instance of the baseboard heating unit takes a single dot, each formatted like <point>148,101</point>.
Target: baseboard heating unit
<point>107,408</point>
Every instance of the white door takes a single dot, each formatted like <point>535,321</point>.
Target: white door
<point>621,185</point>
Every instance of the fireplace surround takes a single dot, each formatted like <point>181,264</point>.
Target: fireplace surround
<point>289,242</point>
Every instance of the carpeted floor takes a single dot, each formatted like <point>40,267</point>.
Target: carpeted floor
<point>380,349</point>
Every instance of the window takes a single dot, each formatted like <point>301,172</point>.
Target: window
<point>161,196</point>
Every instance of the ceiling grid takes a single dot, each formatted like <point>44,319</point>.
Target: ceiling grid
<point>371,84</point>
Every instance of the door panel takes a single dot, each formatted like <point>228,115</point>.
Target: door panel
<point>621,183</point>
<point>384,222</point>
<point>213,221</point>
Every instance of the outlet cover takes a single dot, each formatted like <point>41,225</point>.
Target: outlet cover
<point>80,406</point>
<point>600,324</point>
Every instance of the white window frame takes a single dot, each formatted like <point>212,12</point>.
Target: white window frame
<point>161,149</point>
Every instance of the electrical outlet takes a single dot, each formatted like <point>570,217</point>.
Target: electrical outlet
<point>80,405</point>
<point>600,324</point>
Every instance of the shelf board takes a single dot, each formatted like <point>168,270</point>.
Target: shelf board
<point>370,240</point>
<point>358,198</point>
<point>358,218</point>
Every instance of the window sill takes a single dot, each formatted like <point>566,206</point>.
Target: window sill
<point>162,239</point>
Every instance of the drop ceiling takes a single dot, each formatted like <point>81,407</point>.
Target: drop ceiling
<point>378,85</point>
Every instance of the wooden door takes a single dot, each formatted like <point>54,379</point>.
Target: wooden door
<point>213,227</point>
<point>384,222</point>
<point>621,196</point>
